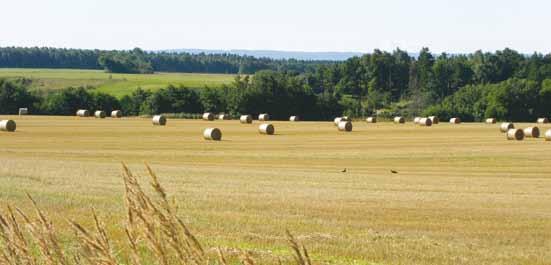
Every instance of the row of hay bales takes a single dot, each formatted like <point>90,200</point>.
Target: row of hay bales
<point>161,120</point>
<point>428,121</point>
<point>208,116</point>
<point>423,121</point>
<point>100,114</point>
<point>513,133</point>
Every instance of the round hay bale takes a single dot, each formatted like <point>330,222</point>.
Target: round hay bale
<point>371,120</point>
<point>208,116</point>
<point>100,114</point>
<point>159,120</point>
<point>246,119</point>
<point>399,120</point>
<point>455,120</point>
<point>416,120</point>
<point>23,111</point>
<point>223,117</point>
<point>491,121</point>
<point>515,134</point>
<point>345,126</point>
<point>266,128</point>
<point>506,126</point>
<point>532,132</point>
<point>548,135</point>
<point>264,117</point>
<point>83,113</point>
<point>8,126</point>
<point>425,122</point>
<point>212,134</point>
<point>543,120</point>
<point>294,118</point>
<point>434,119</point>
<point>116,114</point>
<point>337,120</point>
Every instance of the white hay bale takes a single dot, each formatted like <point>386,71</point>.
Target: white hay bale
<point>425,122</point>
<point>212,134</point>
<point>532,132</point>
<point>100,114</point>
<point>543,120</point>
<point>455,120</point>
<point>83,113</point>
<point>399,120</point>
<point>8,126</point>
<point>515,134</point>
<point>159,120</point>
<point>246,119</point>
<point>491,121</point>
<point>345,126</point>
<point>264,117</point>
<point>548,135</point>
<point>506,126</point>
<point>208,116</point>
<point>416,120</point>
<point>266,128</point>
<point>223,117</point>
<point>434,119</point>
<point>116,114</point>
<point>339,119</point>
<point>371,119</point>
<point>294,118</point>
<point>23,111</point>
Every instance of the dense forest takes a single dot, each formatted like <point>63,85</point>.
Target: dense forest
<point>139,61</point>
<point>506,85</point>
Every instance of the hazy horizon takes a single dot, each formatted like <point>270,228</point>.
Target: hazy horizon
<point>285,25</point>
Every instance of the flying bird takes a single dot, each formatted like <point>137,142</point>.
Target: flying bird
<point>393,171</point>
<point>344,170</point>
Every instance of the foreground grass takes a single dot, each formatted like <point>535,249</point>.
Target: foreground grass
<point>154,235</point>
<point>115,84</point>
<point>463,194</point>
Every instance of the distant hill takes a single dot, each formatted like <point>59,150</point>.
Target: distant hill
<point>313,56</point>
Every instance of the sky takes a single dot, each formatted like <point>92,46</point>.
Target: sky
<point>458,26</point>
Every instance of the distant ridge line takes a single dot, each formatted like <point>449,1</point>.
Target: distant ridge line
<point>273,54</point>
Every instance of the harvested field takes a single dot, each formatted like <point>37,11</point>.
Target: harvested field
<point>462,194</point>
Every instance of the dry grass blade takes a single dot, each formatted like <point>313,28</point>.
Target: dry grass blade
<point>247,259</point>
<point>158,188</point>
<point>196,245</point>
<point>96,248</point>
<point>306,256</point>
<point>43,233</point>
<point>301,257</point>
<point>132,240</point>
<point>221,258</point>
<point>15,245</point>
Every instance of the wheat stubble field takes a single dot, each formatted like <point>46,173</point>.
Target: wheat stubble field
<point>462,195</point>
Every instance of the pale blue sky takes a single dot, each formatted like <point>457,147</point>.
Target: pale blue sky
<point>303,25</point>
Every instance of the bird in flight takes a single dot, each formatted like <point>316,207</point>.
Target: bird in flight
<point>393,171</point>
<point>344,170</point>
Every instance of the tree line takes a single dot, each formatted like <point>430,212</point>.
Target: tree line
<point>139,61</point>
<point>282,95</point>
<point>279,94</point>
<point>384,83</point>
